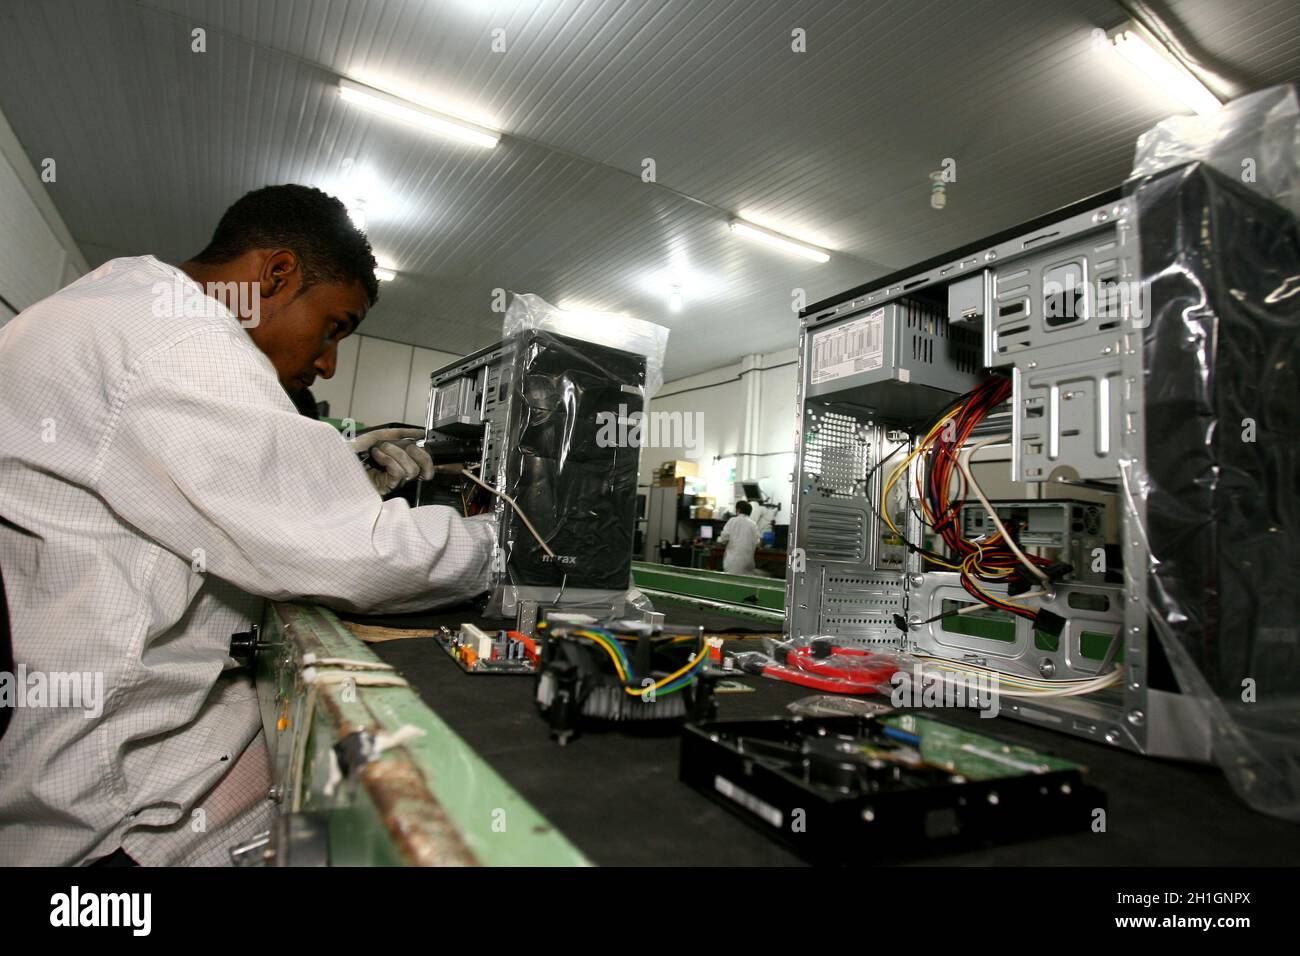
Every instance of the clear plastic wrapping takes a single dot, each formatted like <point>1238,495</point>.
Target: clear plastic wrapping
<point>637,336</point>
<point>1216,494</point>
<point>569,457</point>
<point>1255,140</point>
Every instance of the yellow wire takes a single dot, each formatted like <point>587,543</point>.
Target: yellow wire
<point>600,642</point>
<point>893,478</point>
<point>902,467</point>
<point>979,564</point>
<point>897,473</point>
<point>1000,600</point>
<point>971,560</point>
<point>638,691</point>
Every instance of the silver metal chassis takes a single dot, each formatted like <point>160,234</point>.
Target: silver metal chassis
<point>1101,369</point>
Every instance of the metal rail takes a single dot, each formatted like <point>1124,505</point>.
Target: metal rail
<point>429,801</point>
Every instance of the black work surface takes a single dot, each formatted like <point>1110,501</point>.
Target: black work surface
<point>616,795</point>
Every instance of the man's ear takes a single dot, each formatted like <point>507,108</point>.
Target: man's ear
<point>281,272</point>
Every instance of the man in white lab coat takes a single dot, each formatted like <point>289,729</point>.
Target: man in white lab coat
<point>156,483</point>
<point>740,535</point>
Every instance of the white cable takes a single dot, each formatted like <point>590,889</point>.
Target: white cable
<point>971,608</point>
<point>387,740</point>
<point>310,658</point>
<point>1072,691</point>
<point>518,510</point>
<point>1040,688</point>
<point>310,675</point>
<point>963,461</point>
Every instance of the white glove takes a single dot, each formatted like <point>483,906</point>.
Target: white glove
<point>394,457</point>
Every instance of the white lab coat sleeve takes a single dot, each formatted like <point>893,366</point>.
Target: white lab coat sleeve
<point>726,531</point>
<point>206,455</point>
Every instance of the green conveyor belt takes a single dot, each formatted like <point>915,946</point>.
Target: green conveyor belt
<point>754,598</point>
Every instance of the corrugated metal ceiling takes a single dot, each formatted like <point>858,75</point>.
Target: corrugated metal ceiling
<point>835,145</point>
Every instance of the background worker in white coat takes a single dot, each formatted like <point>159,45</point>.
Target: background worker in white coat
<point>740,535</point>
<point>156,483</point>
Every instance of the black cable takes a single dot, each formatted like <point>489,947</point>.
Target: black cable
<point>729,381</point>
<point>939,617</point>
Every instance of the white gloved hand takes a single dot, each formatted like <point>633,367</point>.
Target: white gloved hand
<point>394,457</point>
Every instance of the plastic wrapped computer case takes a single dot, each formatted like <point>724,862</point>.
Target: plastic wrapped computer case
<point>571,378</point>
<point>1217,492</point>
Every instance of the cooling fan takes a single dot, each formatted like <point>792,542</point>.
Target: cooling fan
<point>593,673</point>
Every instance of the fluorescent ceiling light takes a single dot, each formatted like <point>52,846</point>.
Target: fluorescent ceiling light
<point>778,241</point>
<point>384,275</point>
<point>675,299</point>
<point>1150,56</point>
<point>380,102</point>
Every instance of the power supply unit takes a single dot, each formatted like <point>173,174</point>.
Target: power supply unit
<point>904,359</point>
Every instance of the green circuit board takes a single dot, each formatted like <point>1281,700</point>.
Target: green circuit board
<point>974,756</point>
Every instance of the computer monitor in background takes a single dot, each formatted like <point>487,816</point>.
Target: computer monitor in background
<point>748,491</point>
<point>706,532</point>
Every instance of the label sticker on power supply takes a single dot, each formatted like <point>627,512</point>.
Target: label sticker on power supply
<point>857,346</point>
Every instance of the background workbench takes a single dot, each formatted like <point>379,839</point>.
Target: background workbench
<point>616,796</point>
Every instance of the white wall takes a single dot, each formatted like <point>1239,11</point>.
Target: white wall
<point>37,253</point>
<point>423,363</point>
<point>747,411</point>
<point>377,381</point>
<point>383,373</point>
<point>775,439</point>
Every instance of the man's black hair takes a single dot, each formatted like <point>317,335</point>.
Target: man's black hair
<point>312,223</point>
<point>744,507</point>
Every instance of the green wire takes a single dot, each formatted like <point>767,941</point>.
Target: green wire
<point>688,678</point>
<point>608,639</point>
